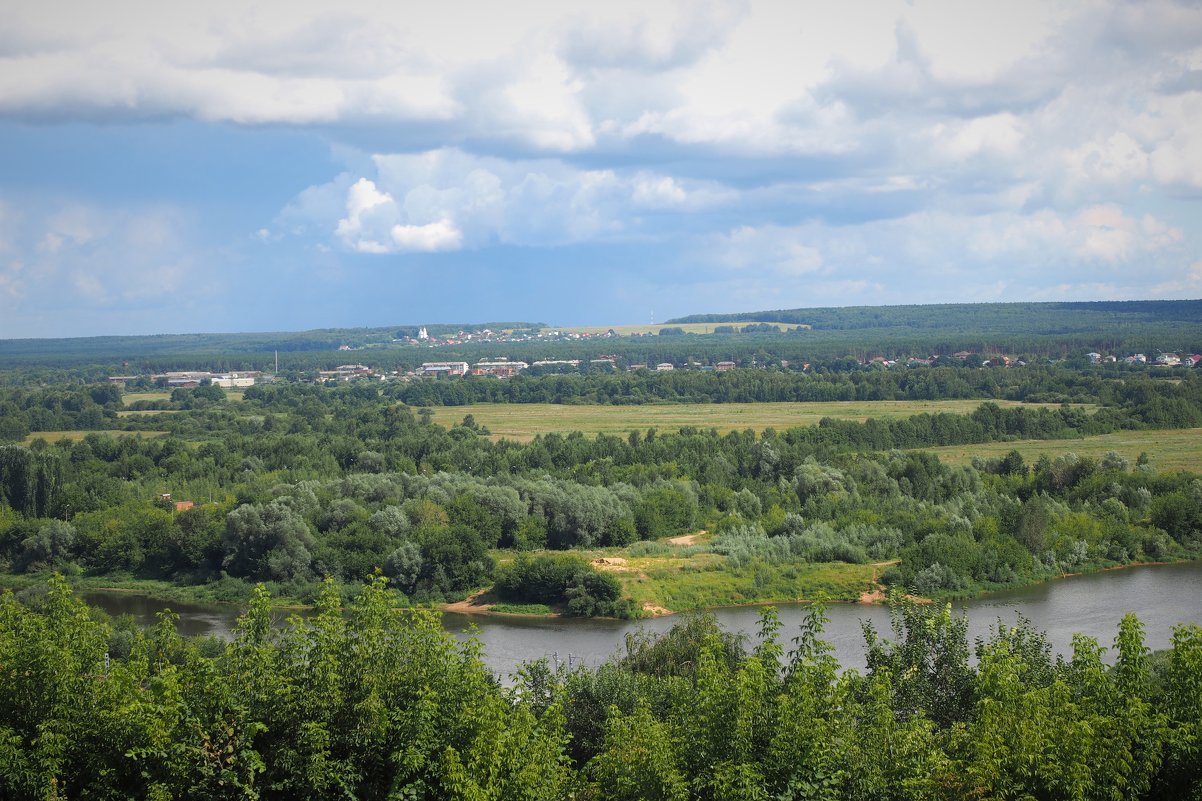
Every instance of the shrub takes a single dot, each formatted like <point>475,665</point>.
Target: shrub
<point>563,579</point>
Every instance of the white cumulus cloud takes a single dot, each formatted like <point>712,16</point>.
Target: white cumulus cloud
<point>366,208</point>
<point>446,199</point>
<point>441,235</point>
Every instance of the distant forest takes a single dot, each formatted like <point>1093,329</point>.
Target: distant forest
<point>1037,318</point>
<point>251,342</point>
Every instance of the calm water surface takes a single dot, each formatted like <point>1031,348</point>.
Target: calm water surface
<point>1162,596</point>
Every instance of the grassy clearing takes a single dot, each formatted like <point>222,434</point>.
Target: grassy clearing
<point>133,397</point>
<point>522,421</point>
<point>1171,449</point>
<point>680,578</point>
<point>232,395</point>
<point>76,436</point>
<point>130,398</point>
<point>694,582</point>
<point>689,328</point>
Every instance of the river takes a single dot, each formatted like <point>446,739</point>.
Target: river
<point>1161,595</point>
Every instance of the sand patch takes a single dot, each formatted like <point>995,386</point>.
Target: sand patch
<point>874,596</point>
<point>471,605</point>
<point>614,564</point>
<point>687,539</point>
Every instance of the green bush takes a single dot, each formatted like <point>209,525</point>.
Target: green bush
<point>562,579</point>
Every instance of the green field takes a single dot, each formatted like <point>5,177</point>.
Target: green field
<point>1172,449</point>
<point>129,398</point>
<point>76,436</point>
<point>522,421</point>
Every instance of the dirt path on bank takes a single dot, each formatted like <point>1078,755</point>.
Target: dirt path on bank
<point>687,539</point>
<point>471,605</point>
<point>877,594</point>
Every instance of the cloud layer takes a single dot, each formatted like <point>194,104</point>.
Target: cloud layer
<point>740,152</point>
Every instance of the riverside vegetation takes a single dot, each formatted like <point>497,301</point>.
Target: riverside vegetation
<point>379,704</point>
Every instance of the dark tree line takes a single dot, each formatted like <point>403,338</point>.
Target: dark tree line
<point>1037,317</point>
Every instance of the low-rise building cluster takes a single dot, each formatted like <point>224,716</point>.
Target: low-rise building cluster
<point>345,372</point>
<point>488,336</point>
<point>187,379</point>
<point>1164,359</point>
<point>504,367</point>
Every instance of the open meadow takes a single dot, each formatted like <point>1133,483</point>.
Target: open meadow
<point>130,398</point>
<point>681,584</point>
<point>522,422</point>
<point>1167,449</point>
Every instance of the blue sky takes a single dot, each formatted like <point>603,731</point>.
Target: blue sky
<point>276,166</point>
